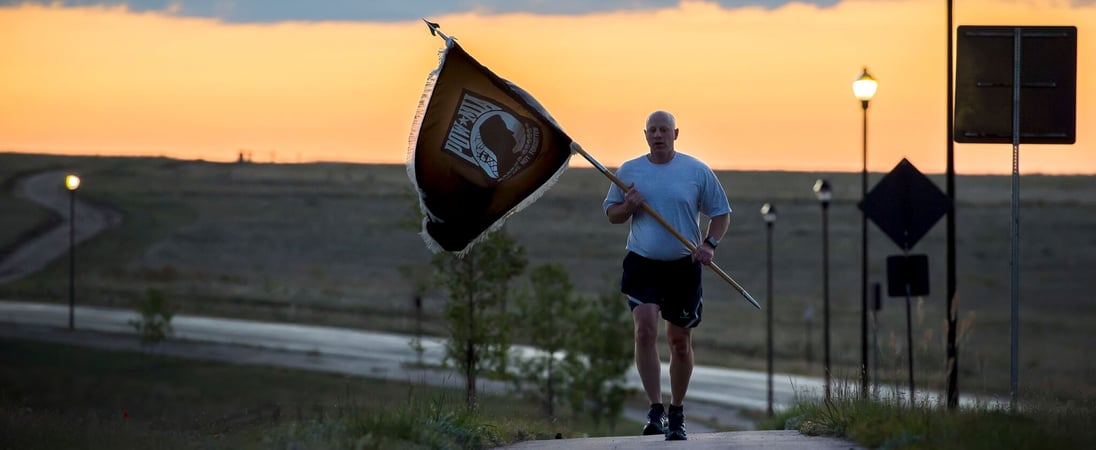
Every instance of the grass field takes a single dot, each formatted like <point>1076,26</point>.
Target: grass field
<point>323,244</point>
<point>55,396</point>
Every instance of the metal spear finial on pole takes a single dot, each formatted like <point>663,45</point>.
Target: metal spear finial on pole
<point>434,29</point>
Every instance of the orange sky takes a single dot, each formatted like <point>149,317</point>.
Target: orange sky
<point>751,88</point>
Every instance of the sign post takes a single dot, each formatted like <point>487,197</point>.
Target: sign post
<point>999,69</point>
<point>905,205</point>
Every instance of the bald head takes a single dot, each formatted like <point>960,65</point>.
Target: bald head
<point>662,118</point>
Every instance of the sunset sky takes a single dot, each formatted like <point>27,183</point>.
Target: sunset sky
<point>755,84</point>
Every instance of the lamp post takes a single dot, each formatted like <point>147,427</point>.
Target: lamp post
<point>808,317</point>
<point>824,193</point>
<point>864,89</point>
<point>768,212</point>
<point>72,183</point>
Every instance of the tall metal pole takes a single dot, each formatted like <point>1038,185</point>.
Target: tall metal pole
<point>875,339</point>
<point>909,341</point>
<point>952,304</point>
<point>808,316</point>
<point>769,311</point>
<point>1015,260</point>
<point>826,292</point>
<point>864,257</point>
<point>72,259</point>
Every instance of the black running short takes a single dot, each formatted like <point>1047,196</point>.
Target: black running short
<point>673,285</point>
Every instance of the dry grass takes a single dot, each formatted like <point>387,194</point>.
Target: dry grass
<point>58,396</point>
<point>891,423</point>
<point>322,243</point>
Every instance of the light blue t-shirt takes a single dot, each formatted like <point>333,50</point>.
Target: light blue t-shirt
<point>679,191</point>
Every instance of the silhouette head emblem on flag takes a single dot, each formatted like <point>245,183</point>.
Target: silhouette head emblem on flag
<point>491,136</point>
<point>481,149</point>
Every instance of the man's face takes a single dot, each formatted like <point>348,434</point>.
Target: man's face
<point>660,133</point>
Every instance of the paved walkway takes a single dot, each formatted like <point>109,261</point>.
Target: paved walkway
<point>767,440</point>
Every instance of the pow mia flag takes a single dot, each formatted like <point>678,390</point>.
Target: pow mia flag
<point>481,149</point>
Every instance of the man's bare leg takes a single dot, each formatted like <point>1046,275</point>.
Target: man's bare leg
<point>681,361</point>
<point>681,371</point>
<point>646,351</point>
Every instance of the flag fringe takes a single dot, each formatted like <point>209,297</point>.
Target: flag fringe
<point>412,141</point>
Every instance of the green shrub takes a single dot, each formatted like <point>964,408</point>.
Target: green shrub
<point>154,324</point>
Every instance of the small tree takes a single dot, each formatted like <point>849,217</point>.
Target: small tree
<point>154,325</point>
<point>548,317</point>
<point>478,285</point>
<point>604,340</point>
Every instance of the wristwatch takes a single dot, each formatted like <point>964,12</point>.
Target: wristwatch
<point>712,242</point>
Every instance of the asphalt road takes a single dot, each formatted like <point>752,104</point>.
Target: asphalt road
<point>48,189</point>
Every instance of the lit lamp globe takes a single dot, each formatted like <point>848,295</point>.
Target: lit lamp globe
<point>72,182</point>
<point>864,87</point>
<point>823,191</point>
<point>768,212</point>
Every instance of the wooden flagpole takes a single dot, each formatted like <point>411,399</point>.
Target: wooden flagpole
<point>578,149</point>
<point>434,30</point>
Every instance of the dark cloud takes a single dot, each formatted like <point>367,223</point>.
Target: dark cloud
<point>252,11</point>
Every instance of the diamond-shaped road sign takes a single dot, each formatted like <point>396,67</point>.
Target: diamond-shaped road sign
<point>905,204</point>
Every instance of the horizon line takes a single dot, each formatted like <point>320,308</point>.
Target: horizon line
<point>584,164</point>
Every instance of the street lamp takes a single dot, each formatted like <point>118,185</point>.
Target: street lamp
<point>768,212</point>
<point>824,193</point>
<point>864,89</point>
<point>72,183</point>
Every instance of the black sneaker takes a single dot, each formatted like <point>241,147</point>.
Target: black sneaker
<point>676,429</point>
<point>656,422</point>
